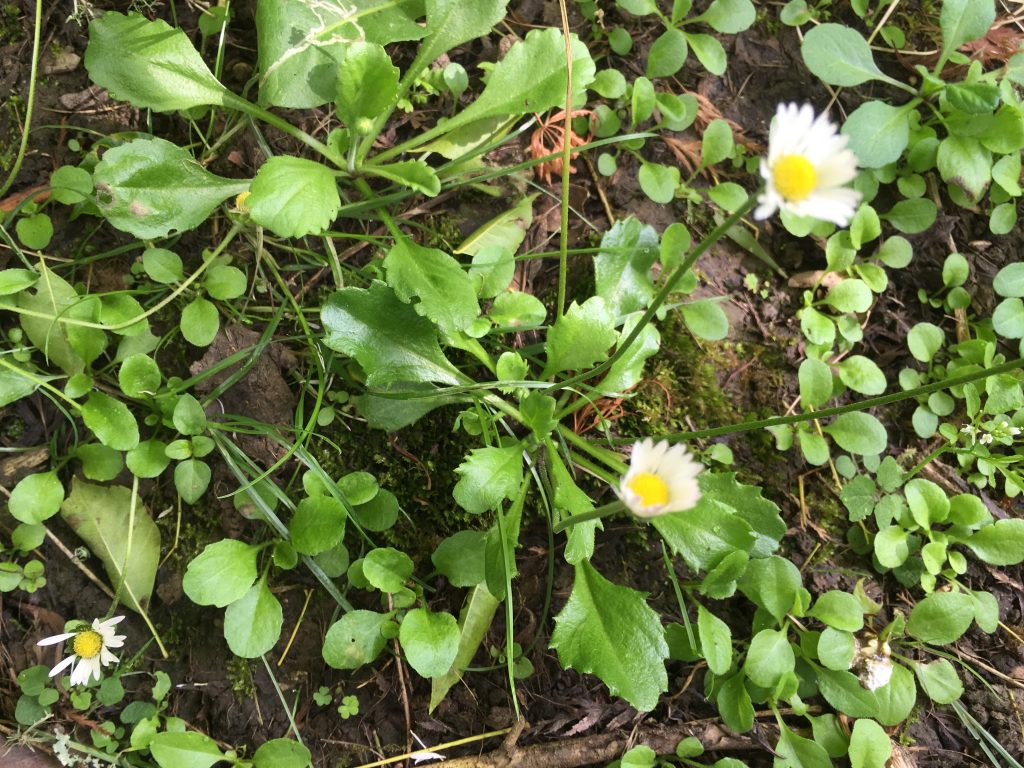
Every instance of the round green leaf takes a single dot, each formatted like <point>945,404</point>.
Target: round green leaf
<point>942,617</point>
<point>870,746</point>
<point>318,524</point>
<point>839,55</point>
<point>139,376</point>
<point>163,266</point>
<point>199,322</point>
<point>35,231</point>
<point>387,569</point>
<point>111,421</point>
<point>859,433</point>
<point>148,459</point>
<point>221,574</point>
<point>840,610</point>
<point>1008,282</point>
<point>355,639</point>
<point>281,753</point>
<point>36,498</point>
<point>225,282</point>
<point>252,624</point>
<point>191,479</point>
<point>430,641</point>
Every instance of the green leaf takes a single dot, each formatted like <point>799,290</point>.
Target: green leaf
<point>924,340</point>
<point>516,309</point>
<point>148,459</point>
<point>940,681</point>
<point>355,639</point>
<point>385,336</point>
<point>302,46</point>
<point>896,699</point>
<point>281,753</point>
<point>878,133</point>
<point>474,623</point>
<point>221,574</point>
<point>815,379</point>
<point>715,641</point>
<point>891,547</point>
<point>729,16</point>
<point>503,234</point>
<point>454,22</point>
<point>1007,320</point>
<point>430,641</point>
<point>224,282</point>
<point>622,267</point>
<point>705,534</point>
<point>844,692</point>
<point>610,631</point>
<point>163,266</point>
<point>658,182</point>
<point>859,433</point>
<point>187,749</point>
<point>580,338</point>
<point>627,371</point>
<point>387,569</point>
<point>667,53</point>
<point>434,283</point>
<point>252,624</point>
<point>99,462</point>
<point>488,477</point>
<point>126,540</point>
<point>858,496</point>
<point>1001,543</point>
<point>734,705</point>
<point>706,319</point>
<point>769,657</point>
<point>942,617</point>
<point>709,52</point>
<point>294,197</point>
<point>835,649</point>
<point>191,479</point>
<point>771,583</point>
<point>839,55</point>
<point>71,185</point>
<point>16,280</point>
<point>36,498</point>
<point>139,376</point>
<point>862,374</point>
<point>200,322</point>
<point>414,174</point>
<point>530,78</point>
<point>55,299</point>
<point>317,525</point>
<point>912,216</point>
<point>460,557</point>
<point>965,162</point>
<point>150,64</point>
<point>962,21</point>
<point>838,609</point>
<point>111,421</point>
<point>928,502</point>
<point>797,752</point>
<point>716,143</point>
<point>850,295</point>
<point>367,83</point>
<point>870,746</point>
<point>378,514</point>
<point>188,417</point>
<point>747,502</point>
<point>1009,281</point>
<point>34,231</point>
<point>151,188</point>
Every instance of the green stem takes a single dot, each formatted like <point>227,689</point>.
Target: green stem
<point>41,383</point>
<point>860,405</point>
<point>246,106</point>
<point>611,508</point>
<point>609,458</point>
<point>33,74</point>
<point>928,460</point>
<point>670,285</point>
<point>563,236</point>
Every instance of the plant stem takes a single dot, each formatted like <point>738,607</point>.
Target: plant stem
<point>670,284</point>
<point>33,74</point>
<point>246,106</point>
<point>860,405</point>
<point>611,508</point>
<point>563,237</point>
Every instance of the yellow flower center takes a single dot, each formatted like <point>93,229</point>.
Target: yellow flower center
<point>87,644</point>
<point>651,489</point>
<point>242,201</point>
<point>794,177</point>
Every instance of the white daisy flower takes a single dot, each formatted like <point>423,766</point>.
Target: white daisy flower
<point>90,647</point>
<point>807,167</point>
<point>662,478</point>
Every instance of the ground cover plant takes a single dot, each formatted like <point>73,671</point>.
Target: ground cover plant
<point>499,383</point>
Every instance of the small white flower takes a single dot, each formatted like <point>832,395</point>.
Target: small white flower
<point>985,439</point>
<point>662,478</point>
<point>90,647</point>
<point>807,167</point>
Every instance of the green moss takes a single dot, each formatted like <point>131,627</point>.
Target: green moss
<point>239,674</point>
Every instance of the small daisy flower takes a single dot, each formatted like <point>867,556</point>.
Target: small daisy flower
<point>807,167</point>
<point>90,647</point>
<point>662,478</point>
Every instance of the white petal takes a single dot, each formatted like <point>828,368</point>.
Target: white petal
<point>64,664</point>
<point>56,639</point>
<point>107,658</point>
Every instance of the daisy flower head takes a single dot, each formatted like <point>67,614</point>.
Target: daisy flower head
<point>90,647</point>
<point>807,168</point>
<point>662,478</point>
